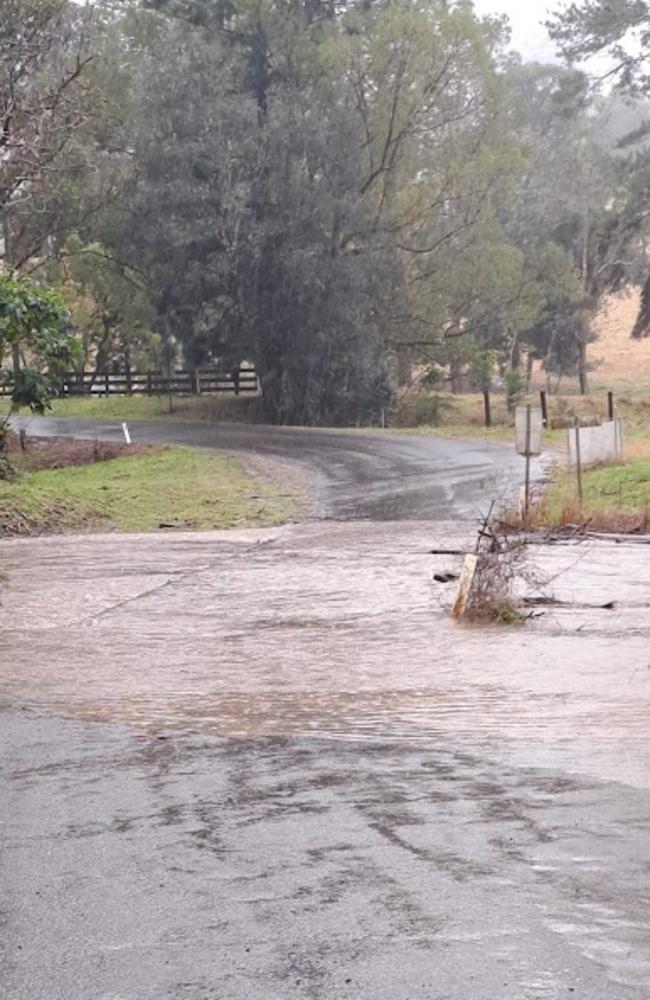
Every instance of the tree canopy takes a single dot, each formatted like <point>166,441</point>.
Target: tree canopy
<point>340,194</point>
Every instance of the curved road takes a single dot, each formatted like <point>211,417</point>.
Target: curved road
<point>357,475</point>
<point>266,764</point>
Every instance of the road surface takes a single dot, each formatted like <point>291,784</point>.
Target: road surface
<point>265,765</point>
<point>353,475</point>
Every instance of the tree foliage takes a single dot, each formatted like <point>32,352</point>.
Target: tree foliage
<point>337,193</point>
<point>620,31</point>
<point>618,28</point>
<point>36,341</point>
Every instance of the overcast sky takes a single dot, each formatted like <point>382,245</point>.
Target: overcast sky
<point>526,16</point>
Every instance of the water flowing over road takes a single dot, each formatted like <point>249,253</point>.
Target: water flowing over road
<point>266,764</point>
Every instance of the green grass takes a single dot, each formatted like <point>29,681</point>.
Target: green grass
<point>615,498</point>
<point>179,487</point>
<point>501,434</point>
<point>623,486</point>
<point>215,408</point>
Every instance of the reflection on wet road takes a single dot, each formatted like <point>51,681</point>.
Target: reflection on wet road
<point>352,476</point>
<point>309,783</point>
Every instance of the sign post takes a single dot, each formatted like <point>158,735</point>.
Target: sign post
<point>528,425</point>
<point>527,487</point>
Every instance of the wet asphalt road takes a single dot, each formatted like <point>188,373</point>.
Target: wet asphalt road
<point>264,765</point>
<point>195,868</point>
<point>352,475</point>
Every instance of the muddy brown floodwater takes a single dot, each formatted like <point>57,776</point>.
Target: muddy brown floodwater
<point>265,764</point>
<point>332,630</point>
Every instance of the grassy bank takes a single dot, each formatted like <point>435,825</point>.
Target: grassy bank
<point>615,498</point>
<point>209,408</point>
<point>172,487</point>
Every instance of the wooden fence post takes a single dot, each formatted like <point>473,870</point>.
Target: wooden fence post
<point>528,443</point>
<point>544,405</point>
<point>610,405</point>
<point>578,459</point>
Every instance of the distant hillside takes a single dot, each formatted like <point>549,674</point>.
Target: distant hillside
<point>615,354</point>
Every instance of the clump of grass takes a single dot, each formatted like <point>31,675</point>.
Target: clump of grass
<point>507,613</point>
<point>492,598</point>
<point>614,520</point>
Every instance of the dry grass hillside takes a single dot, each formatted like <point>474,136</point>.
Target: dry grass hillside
<point>616,358</point>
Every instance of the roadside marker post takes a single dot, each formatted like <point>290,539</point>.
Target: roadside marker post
<point>125,431</point>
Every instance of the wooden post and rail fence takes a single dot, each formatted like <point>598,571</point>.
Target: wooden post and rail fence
<point>543,401</point>
<point>243,381</point>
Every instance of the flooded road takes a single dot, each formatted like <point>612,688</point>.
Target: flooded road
<point>265,764</point>
<point>352,475</point>
<point>334,631</point>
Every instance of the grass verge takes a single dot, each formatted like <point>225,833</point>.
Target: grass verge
<point>210,408</point>
<point>172,488</point>
<point>616,498</point>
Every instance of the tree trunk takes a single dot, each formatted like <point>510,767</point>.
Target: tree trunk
<point>583,332</point>
<point>582,364</point>
<point>515,353</point>
<point>404,367</point>
<point>530,361</point>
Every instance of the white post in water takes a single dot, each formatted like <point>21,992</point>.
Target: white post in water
<point>465,587</point>
<point>125,431</point>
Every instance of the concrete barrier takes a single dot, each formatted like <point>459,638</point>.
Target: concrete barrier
<point>597,444</point>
